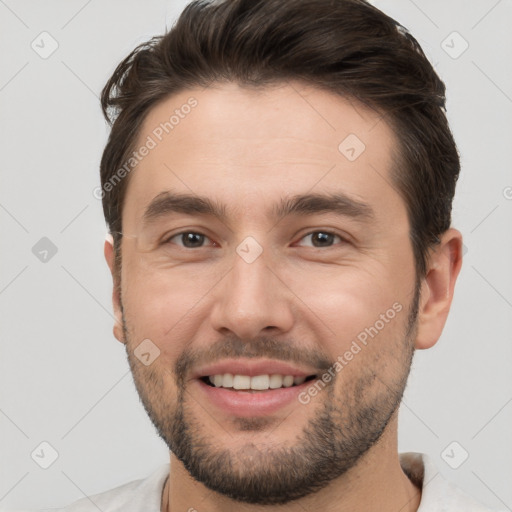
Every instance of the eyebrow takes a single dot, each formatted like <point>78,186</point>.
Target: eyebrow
<point>305,204</point>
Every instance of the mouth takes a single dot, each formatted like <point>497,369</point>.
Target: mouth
<point>249,388</point>
<point>256,383</point>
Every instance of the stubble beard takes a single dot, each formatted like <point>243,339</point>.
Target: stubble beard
<point>341,432</point>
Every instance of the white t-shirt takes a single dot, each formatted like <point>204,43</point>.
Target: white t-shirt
<point>438,495</point>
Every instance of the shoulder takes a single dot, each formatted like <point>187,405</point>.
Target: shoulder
<point>438,494</point>
<point>142,495</point>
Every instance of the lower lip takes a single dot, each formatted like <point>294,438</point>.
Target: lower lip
<point>247,404</point>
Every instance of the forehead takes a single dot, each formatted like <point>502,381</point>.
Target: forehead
<point>246,146</point>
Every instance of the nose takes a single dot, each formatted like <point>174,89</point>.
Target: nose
<point>252,300</point>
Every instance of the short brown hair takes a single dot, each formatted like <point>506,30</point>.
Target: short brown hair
<point>347,47</point>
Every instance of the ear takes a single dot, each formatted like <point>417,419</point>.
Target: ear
<point>445,261</point>
<point>116,296</point>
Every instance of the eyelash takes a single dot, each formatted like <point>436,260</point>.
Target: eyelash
<point>325,232</point>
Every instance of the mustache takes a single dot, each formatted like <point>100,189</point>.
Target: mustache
<point>263,347</point>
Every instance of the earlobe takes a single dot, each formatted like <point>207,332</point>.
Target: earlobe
<point>109,253</point>
<point>437,288</point>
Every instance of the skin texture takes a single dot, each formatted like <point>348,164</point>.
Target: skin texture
<point>247,150</point>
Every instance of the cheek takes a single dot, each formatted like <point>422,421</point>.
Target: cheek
<point>162,305</point>
<point>346,301</point>
<point>333,303</point>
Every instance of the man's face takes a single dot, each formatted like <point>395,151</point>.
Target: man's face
<point>278,285</point>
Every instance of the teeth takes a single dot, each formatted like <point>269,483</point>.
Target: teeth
<point>258,382</point>
<point>276,381</point>
<point>240,381</point>
<point>227,381</point>
<point>288,381</point>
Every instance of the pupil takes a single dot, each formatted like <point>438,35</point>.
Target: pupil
<point>322,238</point>
<point>192,239</point>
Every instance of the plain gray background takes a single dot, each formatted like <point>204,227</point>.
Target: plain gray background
<point>64,379</point>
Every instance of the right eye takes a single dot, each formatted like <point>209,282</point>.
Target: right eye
<point>188,239</point>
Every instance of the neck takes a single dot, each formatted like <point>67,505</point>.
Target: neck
<point>377,482</point>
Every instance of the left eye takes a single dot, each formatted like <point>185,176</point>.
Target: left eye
<point>321,239</point>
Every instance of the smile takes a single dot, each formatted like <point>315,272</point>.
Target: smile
<point>262,382</point>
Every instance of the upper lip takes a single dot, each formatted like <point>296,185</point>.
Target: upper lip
<point>252,368</point>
